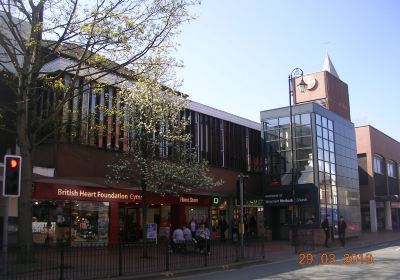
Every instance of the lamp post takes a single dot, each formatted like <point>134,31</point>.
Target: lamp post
<point>241,178</point>
<point>297,72</point>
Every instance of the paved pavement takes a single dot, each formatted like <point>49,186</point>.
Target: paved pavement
<point>382,263</point>
<point>282,250</point>
<point>384,247</point>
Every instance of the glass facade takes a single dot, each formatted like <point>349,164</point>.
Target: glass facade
<point>278,148</point>
<point>347,176</point>
<point>326,169</point>
<point>324,156</point>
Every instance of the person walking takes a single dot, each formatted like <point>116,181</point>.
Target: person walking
<point>325,226</point>
<point>193,226</point>
<point>342,229</point>
<point>223,226</point>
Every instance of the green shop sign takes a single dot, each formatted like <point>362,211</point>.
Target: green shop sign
<point>216,200</point>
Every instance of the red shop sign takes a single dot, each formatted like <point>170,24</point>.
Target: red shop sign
<point>71,192</point>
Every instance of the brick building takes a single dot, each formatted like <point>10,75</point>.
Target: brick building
<point>379,167</point>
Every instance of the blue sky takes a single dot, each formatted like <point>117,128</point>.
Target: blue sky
<point>238,54</point>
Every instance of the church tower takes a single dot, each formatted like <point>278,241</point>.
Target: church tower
<point>325,88</point>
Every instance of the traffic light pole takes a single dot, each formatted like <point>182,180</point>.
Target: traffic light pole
<point>241,178</point>
<point>5,233</point>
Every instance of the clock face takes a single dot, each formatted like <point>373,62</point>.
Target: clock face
<point>311,82</point>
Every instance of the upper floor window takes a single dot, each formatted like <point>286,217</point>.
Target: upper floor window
<point>391,169</point>
<point>378,164</point>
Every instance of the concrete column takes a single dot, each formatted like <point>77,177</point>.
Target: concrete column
<point>388,216</point>
<point>372,214</point>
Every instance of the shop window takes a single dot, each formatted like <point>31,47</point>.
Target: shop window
<point>70,221</point>
<point>89,221</point>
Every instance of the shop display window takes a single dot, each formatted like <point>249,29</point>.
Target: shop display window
<point>89,221</point>
<point>70,221</point>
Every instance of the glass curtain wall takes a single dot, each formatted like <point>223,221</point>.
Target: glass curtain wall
<point>278,150</point>
<point>327,169</point>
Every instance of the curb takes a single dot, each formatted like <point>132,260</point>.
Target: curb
<point>184,272</point>
<point>359,246</point>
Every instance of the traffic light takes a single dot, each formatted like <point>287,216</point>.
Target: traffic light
<point>11,176</point>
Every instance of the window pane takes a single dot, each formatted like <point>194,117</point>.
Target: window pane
<point>327,166</point>
<point>325,133</point>
<point>326,155</point>
<point>271,124</point>
<point>272,147</point>
<point>305,119</point>
<point>333,179</point>
<point>303,142</point>
<point>322,196</point>
<point>320,154</point>
<point>304,166</point>
<point>318,119</point>
<point>296,119</point>
<point>284,121</point>
<point>284,132</point>
<point>306,178</point>
<point>319,142</point>
<point>330,133</point>
<point>305,154</point>
<point>272,135</point>
<point>331,147</point>
<point>332,157</point>
<point>378,161</point>
<point>302,130</point>
<point>319,131</point>
<point>321,178</point>
<point>390,169</point>
<point>324,122</point>
<point>333,169</point>
<point>321,165</point>
<point>284,144</point>
<point>326,144</point>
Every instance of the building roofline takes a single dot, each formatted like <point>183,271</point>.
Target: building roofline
<point>316,72</point>
<point>379,131</point>
<point>214,112</point>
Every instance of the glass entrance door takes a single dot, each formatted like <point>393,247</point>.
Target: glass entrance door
<point>129,220</point>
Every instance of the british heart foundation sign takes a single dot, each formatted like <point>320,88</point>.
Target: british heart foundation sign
<point>69,192</point>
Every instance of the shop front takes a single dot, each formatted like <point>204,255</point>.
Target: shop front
<point>77,214</point>
<point>279,208</point>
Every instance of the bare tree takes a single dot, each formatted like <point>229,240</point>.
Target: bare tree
<point>104,41</point>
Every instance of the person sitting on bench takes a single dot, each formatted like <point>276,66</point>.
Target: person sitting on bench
<point>177,239</point>
<point>203,237</point>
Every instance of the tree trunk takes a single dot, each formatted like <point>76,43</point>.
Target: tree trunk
<point>25,252</point>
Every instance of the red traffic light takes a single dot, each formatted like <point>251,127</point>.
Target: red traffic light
<point>13,163</point>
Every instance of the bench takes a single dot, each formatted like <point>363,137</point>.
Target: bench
<point>185,246</point>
